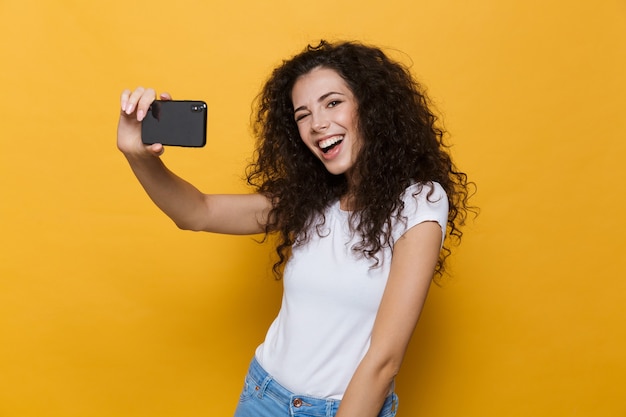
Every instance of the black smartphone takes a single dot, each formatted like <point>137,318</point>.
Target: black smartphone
<point>175,123</point>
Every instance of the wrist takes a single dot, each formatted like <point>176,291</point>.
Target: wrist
<point>141,157</point>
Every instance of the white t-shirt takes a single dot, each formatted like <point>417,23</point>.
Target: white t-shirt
<point>330,299</point>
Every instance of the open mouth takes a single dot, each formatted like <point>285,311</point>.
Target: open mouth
<point>327,144</point>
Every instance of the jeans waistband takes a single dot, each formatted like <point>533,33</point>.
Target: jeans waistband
<point>266,385</point>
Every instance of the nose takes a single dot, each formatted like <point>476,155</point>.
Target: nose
<point>320,123</point>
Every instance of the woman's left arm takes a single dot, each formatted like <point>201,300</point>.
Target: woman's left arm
<point>413,263</point>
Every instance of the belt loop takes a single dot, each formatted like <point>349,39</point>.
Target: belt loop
<point>263,386</point>
<point>330,407</point>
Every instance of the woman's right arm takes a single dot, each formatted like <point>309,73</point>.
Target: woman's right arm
<point>189,208</point>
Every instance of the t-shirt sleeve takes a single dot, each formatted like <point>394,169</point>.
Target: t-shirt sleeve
<point>423,202</point>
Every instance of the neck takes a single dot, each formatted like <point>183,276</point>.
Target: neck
<point>347,201</point>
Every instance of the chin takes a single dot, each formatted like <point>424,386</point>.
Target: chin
<point>337,170</point>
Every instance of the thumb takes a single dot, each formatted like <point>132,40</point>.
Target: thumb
<point>156,149</point>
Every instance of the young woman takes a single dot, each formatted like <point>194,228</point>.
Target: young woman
<point>352,176</point>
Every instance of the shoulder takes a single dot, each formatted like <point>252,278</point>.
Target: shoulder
<point>430,193</point>
<point>423,201</point>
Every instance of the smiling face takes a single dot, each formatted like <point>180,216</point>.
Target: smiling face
<point>325,111</point>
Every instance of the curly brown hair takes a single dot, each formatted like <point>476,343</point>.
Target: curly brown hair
<point>402,145</point>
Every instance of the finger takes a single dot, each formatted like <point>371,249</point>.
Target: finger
<point>165,96</point>
<point>157,149</point>
<point>134,97</point>
<point>124,99</point>
<point>146,99</point>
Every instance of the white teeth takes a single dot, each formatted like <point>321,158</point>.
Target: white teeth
<point>327,143</point>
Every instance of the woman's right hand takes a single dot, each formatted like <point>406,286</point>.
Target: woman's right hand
<point>134,107</point>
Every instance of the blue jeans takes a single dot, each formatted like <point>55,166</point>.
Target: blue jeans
<point>262,396</point>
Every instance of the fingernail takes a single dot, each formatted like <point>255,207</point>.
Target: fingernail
<point>140,115</point>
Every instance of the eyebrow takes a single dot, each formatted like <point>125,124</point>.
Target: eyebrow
<point>322,98</point>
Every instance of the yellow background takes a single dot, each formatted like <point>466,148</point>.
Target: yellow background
<point>106,309</point>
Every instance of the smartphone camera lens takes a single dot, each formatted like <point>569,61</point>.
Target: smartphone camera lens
<point>196,108</point>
